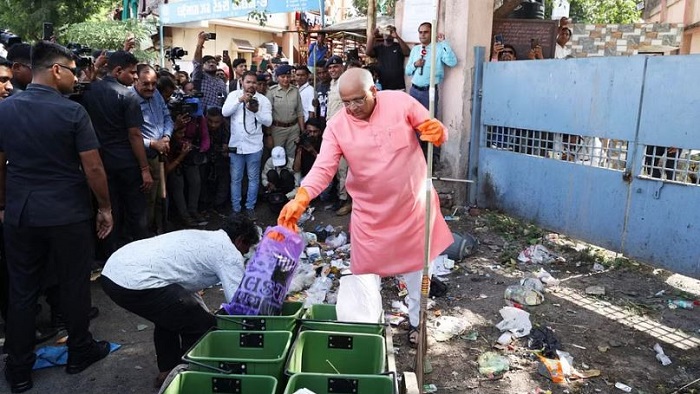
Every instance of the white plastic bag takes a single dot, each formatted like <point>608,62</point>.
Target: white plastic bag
<point>515,320</point>
<point>359,299</point>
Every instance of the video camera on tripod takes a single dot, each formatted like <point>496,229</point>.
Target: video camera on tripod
<point>82,53</point>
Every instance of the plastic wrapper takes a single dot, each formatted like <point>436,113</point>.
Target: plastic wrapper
<point>491,363</point>
<point>268,275</point>
<point>359,299</point>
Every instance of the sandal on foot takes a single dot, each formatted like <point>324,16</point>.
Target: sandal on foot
<point>412,337</point>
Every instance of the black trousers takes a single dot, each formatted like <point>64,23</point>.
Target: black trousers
<point>179,318</point>
<point>284,181</point>
<point>70,248</point>
<point>129,207</point>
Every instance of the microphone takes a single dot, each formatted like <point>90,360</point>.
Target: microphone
<point>423,52</point>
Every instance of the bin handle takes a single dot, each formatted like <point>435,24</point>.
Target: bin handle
<point>197,363</point>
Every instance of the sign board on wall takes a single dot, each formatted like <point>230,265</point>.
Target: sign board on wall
<point>416,12</point>
<point>184,11</point>
<point>520,32</point>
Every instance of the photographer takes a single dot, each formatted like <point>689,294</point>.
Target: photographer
<point>20,57</point>
<point>309,145</point>
<point>116,115</point>
<point>277,179</point>
<point>174,171</point>
<point>249,112</point>
<point>204,75</point>
<point>216,172</point>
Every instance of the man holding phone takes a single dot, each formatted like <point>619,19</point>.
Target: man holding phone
<point>535,49</point>
<point>204,75</point>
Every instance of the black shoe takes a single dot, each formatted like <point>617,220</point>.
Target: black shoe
<point>44,334</point>
<point>79,362</point>
<point>19,382</point>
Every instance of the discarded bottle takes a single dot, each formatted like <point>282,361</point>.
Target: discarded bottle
<point>523,295</point>
<point>532,283</point>
<point>673,304</point>
<point>623,387</point>
<point>661,356</point>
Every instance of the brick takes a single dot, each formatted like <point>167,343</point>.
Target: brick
<point>662,27</point>
<point>621,42</point>
<point>579,28</point>
<point>670,40</point>
<point>626,28</point>
<point>590,27</point>
<point>651,35</point>
<point>634,39</point>
<point>657,42</point>
<point>645,43</point>
<point>596,34</point>
<point>617,34</point>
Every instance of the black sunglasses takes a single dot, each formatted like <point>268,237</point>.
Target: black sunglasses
<point>73,70</point>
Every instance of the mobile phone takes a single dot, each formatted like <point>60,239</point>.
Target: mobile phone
<point>211,36</point>
<point>498,38</point>
<point>48,31</point>
<point>225,52</point>
<point>534,43</point>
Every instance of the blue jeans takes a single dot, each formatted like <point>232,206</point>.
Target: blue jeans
<point>251,164</point>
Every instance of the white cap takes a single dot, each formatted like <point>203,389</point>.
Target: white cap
<point>279,156</point>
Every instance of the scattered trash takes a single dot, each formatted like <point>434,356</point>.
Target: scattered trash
<point>313,253</point>
<point>673,304</point>
<point>463,246</point>
<point>595,290</point>
<point>336,241</point>
<point>603,349</point>
<point>623,387</point>
<point>524,295</point>
<point>515,320</point>
<point>304,277</point>
<point>532,283</point>
<point>447,327</point>
<point>316,294</point>
<point>551,369</point>
<point>395,319</point>
<point>661,356</point>
<point>308,215</point>
<point>660,293</point>
<point>431,304</point>
<point>505,339</point>
<point>398,306</point>
<point>437,288</point>
<point>359,299</point>
<point>597,267</point>
<point>538,254</point>
<point>310,238</point>
<point>491,363</point>
<point>450,218</point>
<point>543,339</point>
<point>546,278</point>
<point>442,265</point>
<point>472,336</point>
<point>429,388</point>
<point>141,327</point>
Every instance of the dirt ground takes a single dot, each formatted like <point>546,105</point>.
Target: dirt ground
<point>613,333</point>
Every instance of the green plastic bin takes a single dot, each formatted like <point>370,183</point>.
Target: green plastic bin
<point>241,352</point>
<point>212,383</point>
<point>337,353</point>
<point>340,384</point>
<point>286,321</point>
<point>323,317</point>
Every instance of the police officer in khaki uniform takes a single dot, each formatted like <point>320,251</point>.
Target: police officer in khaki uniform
<point>287,111</point>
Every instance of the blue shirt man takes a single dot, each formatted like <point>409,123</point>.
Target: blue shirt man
<point>317,51</point>
<point>418,65</point>
<point>157,128</point>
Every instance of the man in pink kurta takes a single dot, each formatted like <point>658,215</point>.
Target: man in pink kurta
<point>376,133</point>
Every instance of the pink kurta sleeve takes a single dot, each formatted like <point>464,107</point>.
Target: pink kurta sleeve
<point>325,166</point>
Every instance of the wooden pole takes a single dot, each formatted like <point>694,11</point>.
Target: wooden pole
<point>422,348</point>
<point>371,17</point>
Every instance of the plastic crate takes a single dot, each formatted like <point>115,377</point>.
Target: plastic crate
<point>340,384</point>
<point>337,353</point>
<point>286,321</point>
<point>241,352</point>
<point>212,383</point>
<point>323,317</point>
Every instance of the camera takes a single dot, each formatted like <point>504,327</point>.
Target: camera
<point>211,36</point>
<point>175,53</point>
<point>253,102</point>
<point>188,104</point>
<point>304,140</point>
<point>82,53</point>
<point>9,39</point>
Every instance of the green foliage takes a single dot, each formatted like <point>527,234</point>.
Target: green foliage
<point>110,35</point>
<point>384,7</point>
<point>599,11</point>
<point>26,17</point>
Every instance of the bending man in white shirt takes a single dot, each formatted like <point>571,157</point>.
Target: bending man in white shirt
<point>157,279</point>
<point>249,112</point>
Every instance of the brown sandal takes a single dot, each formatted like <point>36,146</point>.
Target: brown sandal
<point>412,337</point>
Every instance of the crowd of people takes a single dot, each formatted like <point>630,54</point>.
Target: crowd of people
<point>95,172</point>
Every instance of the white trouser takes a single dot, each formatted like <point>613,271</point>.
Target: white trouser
<point>413,281</point>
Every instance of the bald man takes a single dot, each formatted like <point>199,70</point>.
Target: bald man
<point>376,135</point>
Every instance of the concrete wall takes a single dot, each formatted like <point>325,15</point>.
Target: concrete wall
<point>686,12</point>
<point>624,40</point>
<point>466,24</point>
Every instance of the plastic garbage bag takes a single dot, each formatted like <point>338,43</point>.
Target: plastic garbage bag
<point>515,320</point>
<point>316,294</point>
<point>447,327</point>
<point>538,254</point>
<point>304,277</point>
<point>491,363</point>
<point>359,299</point>
<point>336,241</point>
<point>268,275</point>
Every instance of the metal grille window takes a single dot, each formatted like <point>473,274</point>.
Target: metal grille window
<point>590,151</point>
<point>671,164</point>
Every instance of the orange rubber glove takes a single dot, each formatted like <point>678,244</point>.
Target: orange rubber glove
<point>292,211</point>
<point>433,131</point>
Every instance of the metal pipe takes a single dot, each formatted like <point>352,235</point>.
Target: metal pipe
<point>437,178</point>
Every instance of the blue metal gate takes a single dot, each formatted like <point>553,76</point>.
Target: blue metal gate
<point>601,149</point>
